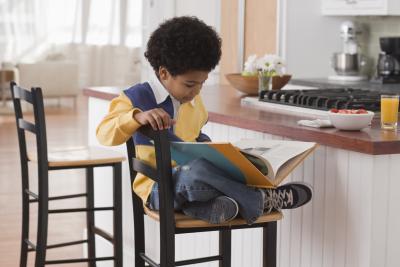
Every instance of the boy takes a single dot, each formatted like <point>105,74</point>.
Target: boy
<point>182,52</point>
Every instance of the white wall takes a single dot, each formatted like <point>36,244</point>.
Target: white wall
<point>206,10</point>
<point>156,11</point>
<point>310,39</point>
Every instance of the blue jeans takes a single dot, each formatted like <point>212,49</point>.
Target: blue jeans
<point>200,181</point>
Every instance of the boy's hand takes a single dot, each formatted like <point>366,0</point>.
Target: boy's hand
<point>157,118</point>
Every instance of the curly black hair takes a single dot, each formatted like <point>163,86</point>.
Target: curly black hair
<point>183,44</point>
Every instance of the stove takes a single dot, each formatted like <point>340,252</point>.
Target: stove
<point>315,102</point>
<point>325,99</point>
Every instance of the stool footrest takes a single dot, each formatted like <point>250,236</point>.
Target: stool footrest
<point>103,234</point>
<point>30,244</point>
<point>198,260</point>
<point>80,210</point>
<point>59,245</point>
<point>68,196</point>
<point>148,260</point>
<point>36,197</point>
<point>79,260</point>
<point>184,262</point>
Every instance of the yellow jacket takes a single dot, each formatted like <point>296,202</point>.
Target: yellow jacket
<point>119,125</point>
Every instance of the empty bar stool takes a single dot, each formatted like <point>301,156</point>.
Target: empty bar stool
<point>68,158</point>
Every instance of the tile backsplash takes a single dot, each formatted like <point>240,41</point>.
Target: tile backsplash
<point>376,27</point>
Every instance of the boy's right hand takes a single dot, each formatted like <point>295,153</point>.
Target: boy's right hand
<point>157,118</point>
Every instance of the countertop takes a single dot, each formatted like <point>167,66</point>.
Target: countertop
<point>223,105</point>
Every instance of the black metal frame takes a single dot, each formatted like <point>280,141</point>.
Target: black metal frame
<point>163,174</point>
<point>35,98</point>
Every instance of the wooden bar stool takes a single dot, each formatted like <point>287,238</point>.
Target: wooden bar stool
<point>68,158</point>
<point>172,223</point>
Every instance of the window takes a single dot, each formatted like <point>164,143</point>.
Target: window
<point>26,26</point>
<point>134,23</point>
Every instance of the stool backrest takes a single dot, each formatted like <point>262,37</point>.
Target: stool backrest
<point>162,174</point>
<point>33,97</point>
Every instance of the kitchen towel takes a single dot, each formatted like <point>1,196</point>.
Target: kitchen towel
<point>318,123</point>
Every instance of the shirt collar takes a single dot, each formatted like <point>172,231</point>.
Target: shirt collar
<point>159,90</point>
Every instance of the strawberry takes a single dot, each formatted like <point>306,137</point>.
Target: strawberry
<point>350,111</point>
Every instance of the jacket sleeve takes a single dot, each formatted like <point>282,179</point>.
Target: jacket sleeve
<point>203,138</point>
<point>118,125</point>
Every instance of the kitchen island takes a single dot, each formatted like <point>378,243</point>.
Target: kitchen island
<point>352,219</point>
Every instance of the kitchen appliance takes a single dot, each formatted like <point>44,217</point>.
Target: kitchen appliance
<point>349,63</point>
<point>348,33</point>
<point>325,99</point>
<point>346,64</point>
<point>314,103</point>
<point>388,65</point>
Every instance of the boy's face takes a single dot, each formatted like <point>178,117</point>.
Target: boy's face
<point>183,87</point>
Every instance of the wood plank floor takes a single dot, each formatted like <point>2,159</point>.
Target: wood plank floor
<point>65,126</point>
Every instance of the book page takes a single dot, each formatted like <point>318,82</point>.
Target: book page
<point>276,152</point>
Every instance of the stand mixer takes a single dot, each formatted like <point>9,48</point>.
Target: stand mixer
<point>349,63</point>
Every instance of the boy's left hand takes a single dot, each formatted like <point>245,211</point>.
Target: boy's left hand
<point>157,118</point>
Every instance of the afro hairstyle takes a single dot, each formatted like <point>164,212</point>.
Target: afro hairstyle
<point>183,44</point>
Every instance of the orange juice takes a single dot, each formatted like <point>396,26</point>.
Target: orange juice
<point>389,111</point>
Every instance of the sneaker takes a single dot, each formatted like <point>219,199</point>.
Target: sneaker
<point>218,210</point>
<point>287,196</point>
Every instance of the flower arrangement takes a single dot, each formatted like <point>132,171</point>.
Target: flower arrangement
<point>260,74</point>
<point>268,65</point>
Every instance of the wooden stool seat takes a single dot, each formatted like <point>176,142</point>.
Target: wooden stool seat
<point>79,156</point>
<point>183,221</point>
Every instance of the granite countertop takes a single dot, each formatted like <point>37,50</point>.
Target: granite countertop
<point>224,106</point>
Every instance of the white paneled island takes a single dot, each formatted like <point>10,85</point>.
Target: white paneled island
<point>352,220</point>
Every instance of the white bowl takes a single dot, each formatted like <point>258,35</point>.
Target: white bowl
<point>350,122</point>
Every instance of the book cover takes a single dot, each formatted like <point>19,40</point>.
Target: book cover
<point>242,163</point>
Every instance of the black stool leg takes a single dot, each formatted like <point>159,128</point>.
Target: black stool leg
<point>43,216</point>
<point>138,230</point>
<point>167,248</point>
<point>269,242</point>
<point>225,237</point>
<point>90,223</point>
<point>117,196</point>
<point>25,229</point>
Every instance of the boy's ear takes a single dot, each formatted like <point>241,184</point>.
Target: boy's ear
<point>163,73</point>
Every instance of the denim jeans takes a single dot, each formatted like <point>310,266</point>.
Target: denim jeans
<point>200,181</point>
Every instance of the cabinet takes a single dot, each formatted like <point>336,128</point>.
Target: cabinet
<point>361,7</point>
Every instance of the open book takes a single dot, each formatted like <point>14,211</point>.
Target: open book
<point>259,163</point>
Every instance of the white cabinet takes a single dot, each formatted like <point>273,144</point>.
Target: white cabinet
<point>361,7</point>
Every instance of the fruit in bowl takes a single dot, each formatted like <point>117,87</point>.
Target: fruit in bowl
<point>249,84</point>
<point>350,119</point>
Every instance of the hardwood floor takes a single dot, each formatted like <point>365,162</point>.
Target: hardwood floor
<point>66,126</point>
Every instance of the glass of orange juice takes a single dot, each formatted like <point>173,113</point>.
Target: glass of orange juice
<point>389,111</point>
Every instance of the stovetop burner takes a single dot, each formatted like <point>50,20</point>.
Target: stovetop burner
<point>325,99</point>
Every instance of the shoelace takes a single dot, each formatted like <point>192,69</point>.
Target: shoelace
<point>276,199</point>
